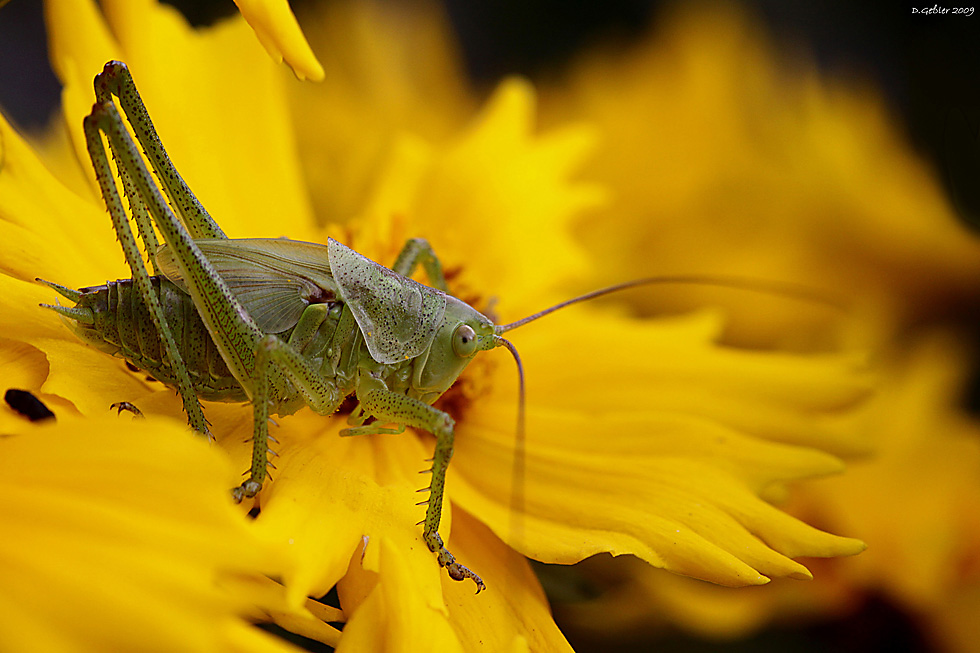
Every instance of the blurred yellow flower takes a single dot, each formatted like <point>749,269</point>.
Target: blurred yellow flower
<point>392,69</point>
<point>645,436</point>
<point>915,500</point>
<point>723,155</point>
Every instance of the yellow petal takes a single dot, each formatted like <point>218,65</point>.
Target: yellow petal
<point>23,365</point>
<point>391,70</point>
<point>390,613</point>
<point>725,156</point>
<point>22,317</point>
<point>227,132</point>
<point>117,534</point>
<point>519,211</point>
<point>461,195</point>
<point>915,502</point>
<point>922,477</point>
<point>88,378</point>
<point>345,511</point>
<point>24,368</point>
<point>395,616</point>
<point>280,35</point>
<point>621,457</point>
<point>47,230</point>
<point>330,492</point>
<point>512,614</point>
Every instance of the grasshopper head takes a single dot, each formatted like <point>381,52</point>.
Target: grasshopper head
<point>464,331</point>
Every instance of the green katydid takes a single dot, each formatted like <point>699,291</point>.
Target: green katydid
<point>281,323</point>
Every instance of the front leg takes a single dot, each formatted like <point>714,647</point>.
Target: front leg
<point>274,359</point>
<point>388,406</point>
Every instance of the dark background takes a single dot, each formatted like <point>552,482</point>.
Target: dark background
<point>928,67</point>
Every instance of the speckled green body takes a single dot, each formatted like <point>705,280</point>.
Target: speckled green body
<point>122,327</point>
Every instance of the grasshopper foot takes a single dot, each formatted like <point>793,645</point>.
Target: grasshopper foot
<point>246,490</point>
<point>448,560</point>
<point>121,406</point>
<point>460,572</point>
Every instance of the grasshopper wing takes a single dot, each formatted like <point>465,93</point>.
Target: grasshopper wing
<point>275,279</point>
<point>397,316</point>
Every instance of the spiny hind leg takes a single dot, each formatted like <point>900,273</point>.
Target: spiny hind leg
<point>275,358</point>
<point>372,429</point>
<point>237,336</point>
<point>234,332</point>
<point>102,120</point>
<point>115,79</point>
<point>386,405</point>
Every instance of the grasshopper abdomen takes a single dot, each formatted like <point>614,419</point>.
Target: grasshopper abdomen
<point>113,319</point>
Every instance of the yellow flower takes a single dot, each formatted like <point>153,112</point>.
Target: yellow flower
<point>391,70</point>
<point>921,481</point>
<point>724,157</point>
<point>644,437</point>
<point>721,154</point>
<point>123,539</point>
<point>915,500</point>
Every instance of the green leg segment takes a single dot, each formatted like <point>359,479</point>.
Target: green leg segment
<point>93,124</point>
<point>230,326</point>
<point>418,251</point>
<point>144,225</point>
<point>376,400</point>
<point>115,79</point>
<point>389,406</point>
<point>234,332</point>
<point>321,395</point>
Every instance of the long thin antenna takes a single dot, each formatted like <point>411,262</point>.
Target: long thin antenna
<point>795,291</point>
<point>520,452</point>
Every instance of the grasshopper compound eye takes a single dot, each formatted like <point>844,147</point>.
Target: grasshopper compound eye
<point>464,341</point>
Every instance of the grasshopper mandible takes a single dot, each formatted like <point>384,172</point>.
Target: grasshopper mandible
<point>276,322</point>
